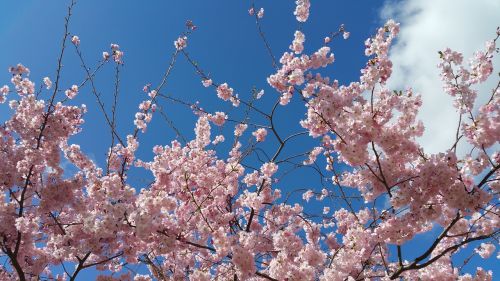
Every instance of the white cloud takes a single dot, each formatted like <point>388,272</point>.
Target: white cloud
<point>428,26</point>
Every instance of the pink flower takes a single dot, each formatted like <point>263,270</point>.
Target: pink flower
<point>485,250</point>
<point>140,277</point>
<point>298,43</point>
<point>47,82</point>
<point>117,54</point>
<point>307,195</point>
<point>235,100</point>
<point>224,92</point>
<point>72,92</point>
<point>260,14</point>
<point>285,98</point>
<point>346,35</point>
<point>19,69</point>
<point>145,105</point>
<point>296,77</point>
<point>4,90</point>
<point>260,134</point>
<point>75,40</point>
<point>313,155</point>
<point>219,118</point>
<point>302,10</point>
<point>218,139</point>
<point>327,40</point>
<point>180,43</point>
<point>206,83</point>
<point>243,259</point>
<point>239,129</point>
<point>269,169</point>
<point>251,11</point>
<point>105,55</point>
<point>153,94</point>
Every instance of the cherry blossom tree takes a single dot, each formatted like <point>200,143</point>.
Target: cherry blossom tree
<point>210,214</point>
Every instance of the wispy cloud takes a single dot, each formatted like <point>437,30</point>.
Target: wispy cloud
<point>428,26</point>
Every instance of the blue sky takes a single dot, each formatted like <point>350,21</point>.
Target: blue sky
<point>226,45</point>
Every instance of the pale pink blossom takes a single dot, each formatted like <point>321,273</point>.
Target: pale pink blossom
<point>47,82</point>
<point>260,14</point>
<point>485,250</point>
<point>19,69</point>
<point>285,98</point>
<point>207,82</point>
<point>260,134</point>
<point>71,92</point>
<point>313,155</point>
<point>219,118</point>
<point>298,43</point>
<point>224,92</point>
<point>308,195</point>
<point>117,54</point>
<point>269,169</point>
<point>4,90</point>
<point>302,10</point>
<point>239,129</point>
<point>180,43</point>
<point>218,139</point>
<point>235,100</point>
<point>152,94</point>
<point>75,40</point>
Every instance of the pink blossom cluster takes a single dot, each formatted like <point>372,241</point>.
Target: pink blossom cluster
<point>298,43</point>
<point>207,83</point>
<point>260,13</point>
<point>117,54</point>
<point>486,250</point>
<point>482,131</point>
<point>23,85</point>
<point>207,215</point>
<point>71,92</point>
<point>4,90</point>
<point>302,10</point>
<point>219,118</point>
<point>224,92</point>
<point>47,82</point>
<point>260,134</point>
<point>143,117</point>
<point>75,40</point>
<point>239,129</point>
<point>313,155</point>
<point>180,43</point>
